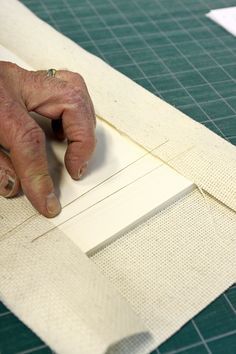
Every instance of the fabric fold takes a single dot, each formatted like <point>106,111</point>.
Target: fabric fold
<point>55,289</point>
<point>59,293</point>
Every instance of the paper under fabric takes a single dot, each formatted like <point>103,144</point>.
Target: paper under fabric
<point>189,251</point>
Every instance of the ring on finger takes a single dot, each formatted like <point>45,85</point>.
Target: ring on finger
<point>51,72</point>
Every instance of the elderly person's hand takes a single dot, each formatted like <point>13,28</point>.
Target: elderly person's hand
<point>65,100</point>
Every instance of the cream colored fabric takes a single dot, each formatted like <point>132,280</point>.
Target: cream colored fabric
<point>54,288</point>
<point>167,268</point>
<point>172,266</point>
<point>192,149</point>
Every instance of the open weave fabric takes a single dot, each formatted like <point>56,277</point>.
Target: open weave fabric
<point>54,288</point>
<point>167,269</point>
<point>183,252</point>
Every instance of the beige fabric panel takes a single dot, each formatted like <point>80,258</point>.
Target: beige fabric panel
<point>13,212</point>
<point>143,117</point>
<point>176,263</point>
<point>59,293</point>
<point>167,268</point>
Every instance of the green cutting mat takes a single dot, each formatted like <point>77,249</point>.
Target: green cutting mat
<point>172,49</point>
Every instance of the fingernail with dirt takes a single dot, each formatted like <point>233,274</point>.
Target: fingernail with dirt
<point>7,183</point>
<point>82,170</point>
<point>53,205</point>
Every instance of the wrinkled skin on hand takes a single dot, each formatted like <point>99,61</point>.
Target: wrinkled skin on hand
<point>65,100</point>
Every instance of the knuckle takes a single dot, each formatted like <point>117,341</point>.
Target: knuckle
<point>34,177</point>
<point>75,77</point>
<point>71,159</point>
<point>8,66</point>
<point>32,135</point>
<point>9,106</point>
<point>76,96</point>
<point>82,147</point>
<point>89,143</point>
<point>85,137</point>
<point>79,77</point>
<point>9,111</point>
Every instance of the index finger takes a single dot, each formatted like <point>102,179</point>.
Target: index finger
<point>78,120</point>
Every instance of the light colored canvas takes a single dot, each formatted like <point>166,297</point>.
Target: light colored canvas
<point>167,268</point>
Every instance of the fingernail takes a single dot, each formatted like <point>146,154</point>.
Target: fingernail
<point>82,170</point>
<point>53,205</point>
<point>7,183</point>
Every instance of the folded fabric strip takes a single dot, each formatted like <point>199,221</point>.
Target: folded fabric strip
<point>167,268</point>
<point>54,288</point>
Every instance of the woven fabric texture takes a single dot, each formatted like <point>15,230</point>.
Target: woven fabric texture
<point>58,292</point>
<point>173,265</point>
<point>167,268</point>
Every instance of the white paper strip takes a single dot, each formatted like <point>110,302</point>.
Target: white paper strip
<point>225,17</point>
<point>128,206</point>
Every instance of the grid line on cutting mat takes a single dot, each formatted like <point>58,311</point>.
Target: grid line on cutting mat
<point>173,50</point>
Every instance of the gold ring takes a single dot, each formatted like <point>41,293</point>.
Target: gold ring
<point>51,72</point>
